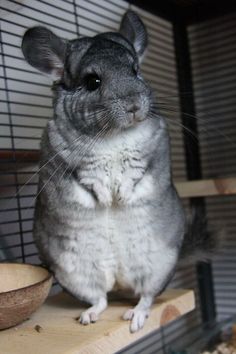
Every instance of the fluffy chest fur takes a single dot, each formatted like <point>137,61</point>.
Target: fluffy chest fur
<point>110,171</point>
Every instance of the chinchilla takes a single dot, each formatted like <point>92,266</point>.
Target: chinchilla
<point>107,213</point>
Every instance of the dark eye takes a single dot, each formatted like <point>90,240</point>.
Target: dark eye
<point>92,82</point>
<point>135,69</point>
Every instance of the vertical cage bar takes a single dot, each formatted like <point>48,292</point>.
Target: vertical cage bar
<point>192,151</point>
<point>76,18</point>
<point>13,149</point>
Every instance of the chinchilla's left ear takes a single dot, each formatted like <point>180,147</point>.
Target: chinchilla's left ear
<point>133,29</point>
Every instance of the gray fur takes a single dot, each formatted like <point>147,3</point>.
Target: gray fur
<point>107,214</point>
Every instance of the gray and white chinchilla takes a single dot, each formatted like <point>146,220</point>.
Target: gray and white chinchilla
<point>107,213</point>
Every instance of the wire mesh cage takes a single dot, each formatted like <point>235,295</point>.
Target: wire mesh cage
<point>190,64</point>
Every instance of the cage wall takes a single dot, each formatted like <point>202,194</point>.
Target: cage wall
<point>213,52</point>
<point>26,106</point>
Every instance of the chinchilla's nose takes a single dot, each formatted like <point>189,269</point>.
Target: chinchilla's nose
<point>135,112</point>
<point>133,108</point>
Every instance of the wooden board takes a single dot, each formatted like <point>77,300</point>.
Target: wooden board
<point>207,187</point>
<point>53,329</point>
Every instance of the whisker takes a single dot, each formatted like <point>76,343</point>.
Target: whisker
<point>196,117</point>
<point>49,179</point>
<point>84,150</point>
<point>182,126</point>
<point>172,125</point>
<point>34,175</point>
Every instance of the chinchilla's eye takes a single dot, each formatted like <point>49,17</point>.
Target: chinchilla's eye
<point>92,82</point>
<point>135,69</point>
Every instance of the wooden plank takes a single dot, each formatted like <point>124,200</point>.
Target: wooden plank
<point>53,328</point>
<point>205,188</point>
<point>22,156</point>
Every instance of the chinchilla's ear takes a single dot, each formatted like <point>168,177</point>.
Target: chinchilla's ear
<point>133,29</point>
<point>44,50</point>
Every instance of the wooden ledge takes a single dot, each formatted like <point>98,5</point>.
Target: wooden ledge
<point>53,328</point>
<point>206,187</point>
<point>23,156</point>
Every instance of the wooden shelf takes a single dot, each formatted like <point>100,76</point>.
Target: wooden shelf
<point>53,329</point>
<point>207,187</point>
<point>22,156</point>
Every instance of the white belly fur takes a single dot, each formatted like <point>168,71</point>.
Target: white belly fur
<point>131,247</point>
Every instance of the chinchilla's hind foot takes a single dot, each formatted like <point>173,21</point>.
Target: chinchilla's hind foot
<point>138,315</point>
<point>92,313</point>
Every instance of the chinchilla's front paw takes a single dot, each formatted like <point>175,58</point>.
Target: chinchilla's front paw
<point>105,198</point>
<point>125,193</point>
<point>103,195</point>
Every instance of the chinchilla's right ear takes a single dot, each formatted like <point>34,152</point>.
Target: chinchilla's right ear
<point>44,50</point>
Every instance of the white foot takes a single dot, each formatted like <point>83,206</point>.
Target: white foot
<point>137,318</point>
<point>138,314</point>
<point>92,313</point>
<point>88,317</point>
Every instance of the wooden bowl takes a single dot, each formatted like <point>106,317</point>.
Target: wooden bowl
<point>23,288</point>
